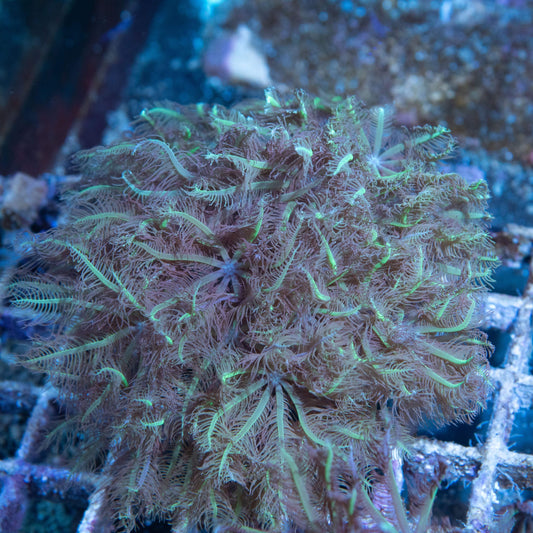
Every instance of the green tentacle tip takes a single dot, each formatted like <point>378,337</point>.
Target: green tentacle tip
<point>115,372</point>
<point>155,423</point>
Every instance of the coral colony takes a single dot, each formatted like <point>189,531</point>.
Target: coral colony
<point>253,309</point>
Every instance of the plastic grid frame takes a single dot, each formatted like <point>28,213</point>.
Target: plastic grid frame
<point>492,469</point>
